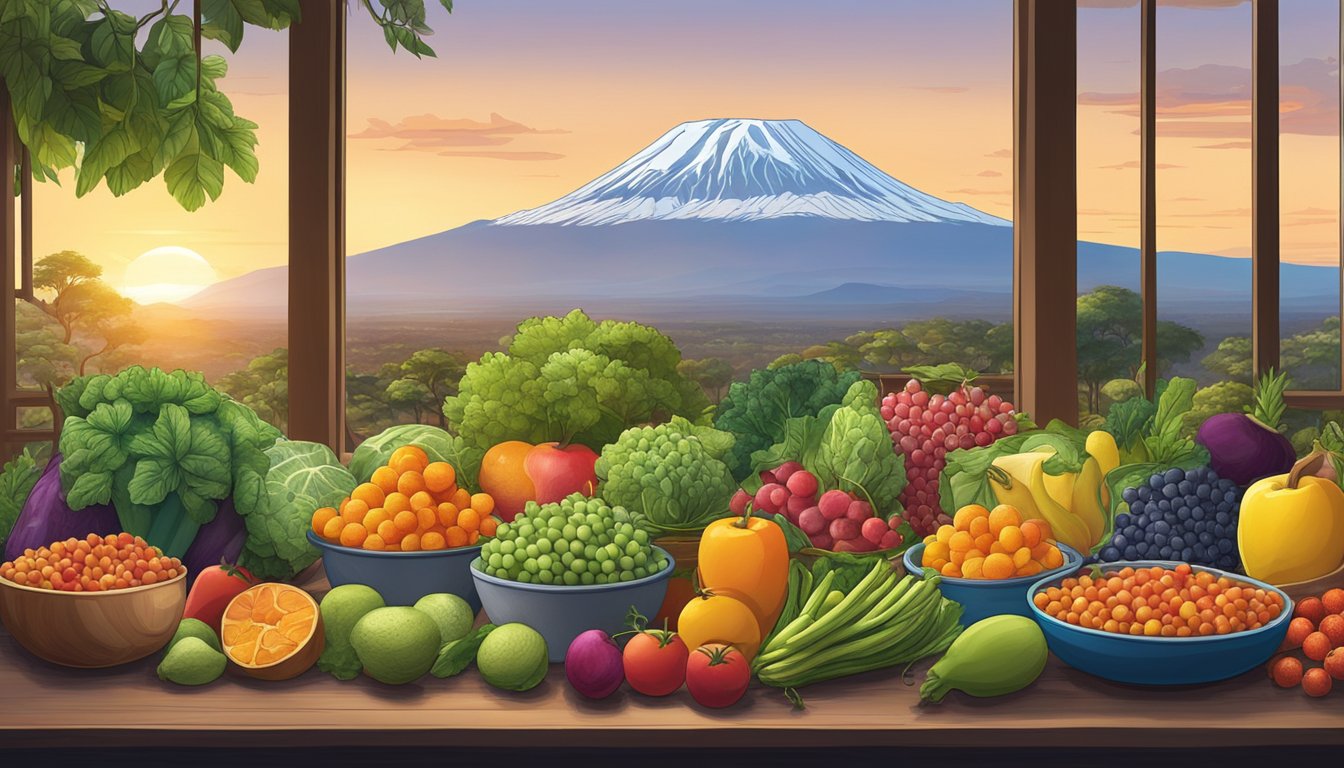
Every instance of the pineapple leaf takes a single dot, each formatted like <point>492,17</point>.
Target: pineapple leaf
<point>1268,405</point>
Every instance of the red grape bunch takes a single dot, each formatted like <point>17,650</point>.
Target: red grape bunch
<point>835,520</point>
<point>926,426</point>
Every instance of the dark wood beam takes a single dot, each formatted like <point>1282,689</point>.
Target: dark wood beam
<point>10,151</point>
<point>1045,208</point>
<point>317,224</point>
<point>1264,185</point>
<point>1148,195</point>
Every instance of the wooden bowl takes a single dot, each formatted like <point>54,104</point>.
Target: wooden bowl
<point>1315,587</point>
<point>93,629</point>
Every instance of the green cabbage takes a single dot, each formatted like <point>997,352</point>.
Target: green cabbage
<point>436,443</point>
<point>302,477</point>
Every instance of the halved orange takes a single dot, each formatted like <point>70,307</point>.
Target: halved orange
<point>273,631</point>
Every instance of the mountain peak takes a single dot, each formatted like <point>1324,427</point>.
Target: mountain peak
<point>741,169</point>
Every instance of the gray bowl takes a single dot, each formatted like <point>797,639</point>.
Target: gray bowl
<point>561,613</point>
<point>402,577</point>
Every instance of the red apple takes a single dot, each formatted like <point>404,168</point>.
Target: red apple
<point>557,472</point>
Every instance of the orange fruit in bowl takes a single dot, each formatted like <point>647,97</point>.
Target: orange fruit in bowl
<point>272,631</point>
<point>503,475</point>
<point>408,458</point>
<point>440,476</point>
<point>385,478</point>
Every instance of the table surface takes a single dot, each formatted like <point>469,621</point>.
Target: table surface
<point>129,705</point>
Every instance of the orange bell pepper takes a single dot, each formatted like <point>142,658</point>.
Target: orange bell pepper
<point>747,558</point>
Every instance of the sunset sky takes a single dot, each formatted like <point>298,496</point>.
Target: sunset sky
<point>529,100</point>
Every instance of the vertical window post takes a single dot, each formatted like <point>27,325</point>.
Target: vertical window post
<point>1045,208</point>
<point>1264,185</point>
<point>9,159</point>
<point>1148,195</point>
<point>317,224</point>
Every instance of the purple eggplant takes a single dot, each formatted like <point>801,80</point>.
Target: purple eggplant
<point>47,518</point>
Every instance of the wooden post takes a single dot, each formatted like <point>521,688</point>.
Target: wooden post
<point>1264,185</point>
<point>1148,195</point>
<point>317,224</point>
<point>1045,208</point>
<point>9,159</point>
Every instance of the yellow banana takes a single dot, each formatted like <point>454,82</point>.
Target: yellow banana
<point>1011,488</point>
<point>1101,446</point>
<point>1086,504</point>
<point>1066,527</point>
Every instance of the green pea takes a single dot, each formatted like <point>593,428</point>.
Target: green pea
<point>627,563</point>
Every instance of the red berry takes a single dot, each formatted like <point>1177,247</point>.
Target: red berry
<point>1332,627</point>
<point>1316,646</point>
<point>873,529</point>
<point>1334,663</point>
<point>1316,682</point>
<point>1333,600</point>
<point>1312,609</point>
<point>1298,629</point>
<point>1286,672</point>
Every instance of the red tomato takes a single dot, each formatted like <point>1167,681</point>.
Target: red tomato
<point>655,662</point>
<point>213,590</point>
<point>717,675</point>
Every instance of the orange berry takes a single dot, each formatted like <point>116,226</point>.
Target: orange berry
<point>961,541</point>
<point>456,537</point>
<point>1053,558</point>
<point>461,498</point>
<point>440,476</point>
<point>950,570</point>
<point>1021,557</point>
<point>973,568</point>
<point>411,483</point>
<point>936,551</point>
<point>406,521</point>
<point>483,503</point>
<point>1010,536</point>
<point>979,526</point>
<point>385,478</point>
<point>998,566</point>
<point>375,518</point>
<point>447,514</point>
<point>427,517</point>
<point>473,537</point>
<point>374,543</point>
<point>370,494</point>
<point>397,502</point>
<point>1031,534</point>
<point>389,532</point>
<point>320,519</point>
<point>1030,568</point>
<point>355,511</point>
<point>332,530</point>
<point>984,541</point>
<point>408,458</point>
<point>1002,516</point>
<point>410,542</point>
<point>489,525</point>
<point>944,533</point>
<point>422,499</point>
<point>962,520</point>
<point>433,540</point>
<point>468,520</point>
<point>353,534</point>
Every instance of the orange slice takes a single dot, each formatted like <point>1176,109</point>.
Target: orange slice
<point>273,631</point>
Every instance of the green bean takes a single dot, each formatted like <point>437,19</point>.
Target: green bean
<point>848,607</point>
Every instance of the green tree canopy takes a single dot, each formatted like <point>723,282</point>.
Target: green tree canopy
<point>94,319</point>
<point>1110,327</point>
<point>713,374</point>
<point>263,386</point>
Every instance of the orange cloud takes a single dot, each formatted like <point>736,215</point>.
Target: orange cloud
<point>429,132</point>
<point>503,155</point>
<point>1000,153</point>
<point>1135,164</point>
<point>989,174</point>
<point>1227,145</point>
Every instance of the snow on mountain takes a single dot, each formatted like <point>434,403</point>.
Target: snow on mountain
<point>746,170</point>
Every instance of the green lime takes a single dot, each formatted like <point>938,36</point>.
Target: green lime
<point>450,612</point>
<point>198,629</point>
<point>396,645</point>
<point>342,608</point>
<point>191,661</point>
<point>513,657</point>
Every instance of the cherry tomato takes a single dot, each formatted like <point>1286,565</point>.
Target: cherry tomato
<point>717,675</point>
<point>655,662</point>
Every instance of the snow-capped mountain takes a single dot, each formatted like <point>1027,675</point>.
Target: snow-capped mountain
<point>745,170</point>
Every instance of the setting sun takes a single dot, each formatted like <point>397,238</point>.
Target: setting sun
<point>169,274</point>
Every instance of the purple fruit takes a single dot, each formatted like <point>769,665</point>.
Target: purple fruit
<point>784,471</point>
<point>779,497</point>
<point>1243,449</point>
<point>739,502</point>
<point>873,529</point>
<point>834,504</point>
<point>859,510</point>
<point>593,664</point>
<point>802,483</point>
<point>844,528</point>
<point>811,521</point>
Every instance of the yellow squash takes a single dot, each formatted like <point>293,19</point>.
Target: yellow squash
<point>1087,501</point>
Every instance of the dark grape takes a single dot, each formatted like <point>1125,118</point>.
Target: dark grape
<point>1179,515</point>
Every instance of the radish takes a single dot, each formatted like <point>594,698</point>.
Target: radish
<point>873,529</point>
<point>765,496</point>
<point>797,504</point>
<point>821,540</point>
<point>859,510</point>
<point>739,502</point>
<point>834,504</point>
<point>811,521</point>
<point>844,528</point>
<point>786,470</point>
<point>779,496</point>
<point>890,540</point>
<point>802,483</point>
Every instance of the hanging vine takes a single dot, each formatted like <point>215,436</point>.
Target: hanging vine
<point>87,95</point>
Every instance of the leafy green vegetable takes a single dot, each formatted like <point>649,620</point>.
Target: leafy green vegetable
<point>17,479</point>
<point>302,477</point>
<point>671,475</point>
<point>438,444</point>
<point>459,654</point>
<point>758,411</point>
<point>1126,421</point>
<point>163,449</point>
<point>856,453</point>
<point>572,380</point>
<point>942,379</point>
<point>1154,430</point>
<point>793,535</point>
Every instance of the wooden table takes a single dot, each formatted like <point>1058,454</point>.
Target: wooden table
<point>49,705</point>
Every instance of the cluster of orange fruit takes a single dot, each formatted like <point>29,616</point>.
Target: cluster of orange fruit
<point>991,544</point>
<point>411,504</point>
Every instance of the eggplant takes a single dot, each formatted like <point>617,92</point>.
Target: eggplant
<point>220,540</point>
<point>1244,449</point>
<point>46,517</point>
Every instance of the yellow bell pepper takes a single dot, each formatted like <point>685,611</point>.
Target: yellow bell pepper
<point>1291,527</point>
<point>747,558</point>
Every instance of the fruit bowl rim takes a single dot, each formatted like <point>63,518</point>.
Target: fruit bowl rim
<point>422,553</point>
<point>101,593</point>
<point>1284,616</point>
<point>477,573</point>
<point>1073,559</point>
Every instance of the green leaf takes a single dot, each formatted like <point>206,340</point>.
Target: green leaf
<point>75,113</point>
<point>191,177</point>
<point>88,489</point>
<point>65,49</point>
<point>153,480</point>
<point>447,5</point>
<point>112,49</point>
<point>112,149</point>
<point>175,78</point>
<point>181,132</point>
<point>214,67</point>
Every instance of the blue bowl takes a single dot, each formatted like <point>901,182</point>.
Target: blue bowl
<point>1163,660</point>
<point>402,577</point>
<point>561,613</point>
<point>982,598</point>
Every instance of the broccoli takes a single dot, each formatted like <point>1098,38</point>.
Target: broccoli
<point>757,410</point>
<point>572,380</point>
<point>671,476</point>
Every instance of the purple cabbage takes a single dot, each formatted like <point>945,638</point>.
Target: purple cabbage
<point>47,518</point>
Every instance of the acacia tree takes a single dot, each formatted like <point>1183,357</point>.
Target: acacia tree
<point>1109,333</point>
<point>713,374</point>
<point>420,383</point>
<point>138,96</point>
<point>93,317</point>
<point>263,386</point>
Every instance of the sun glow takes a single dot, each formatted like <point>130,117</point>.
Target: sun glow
<point>168,274</point>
